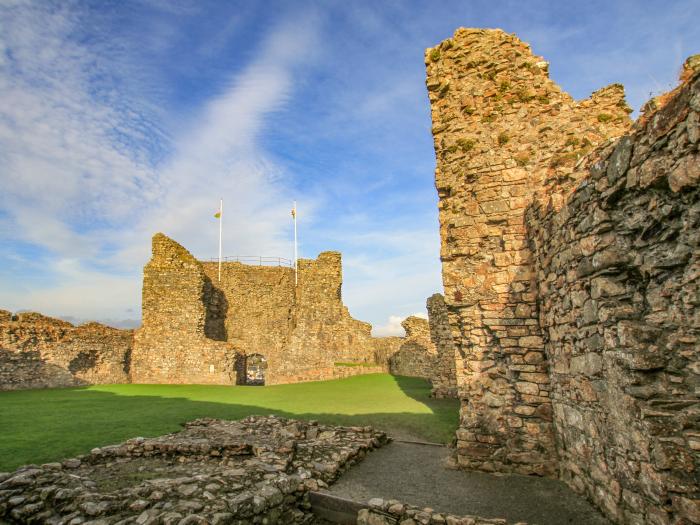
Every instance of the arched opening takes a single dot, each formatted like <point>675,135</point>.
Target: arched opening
<point>256,367</point>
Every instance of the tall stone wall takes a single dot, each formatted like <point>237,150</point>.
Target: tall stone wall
<point>202,330</point>
<point>258,309</point>
<point>324,331</point>
<point>618,264</point>
<point>503,133</point>
<point>443,375</point>
<point>570,357</point>
<point>41,352</point>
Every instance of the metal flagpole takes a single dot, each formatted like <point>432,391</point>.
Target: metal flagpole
<point>221,222</point>
<point>296,269</point>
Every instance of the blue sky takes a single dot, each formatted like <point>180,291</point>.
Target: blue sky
<point>120,119</point>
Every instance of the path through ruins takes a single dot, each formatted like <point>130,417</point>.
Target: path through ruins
<point>416,475</point>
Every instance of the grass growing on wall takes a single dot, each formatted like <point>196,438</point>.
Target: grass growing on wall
<point>38,426</point>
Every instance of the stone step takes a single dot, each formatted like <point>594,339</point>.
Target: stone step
<point>334,509</point>
<point>424,443</point>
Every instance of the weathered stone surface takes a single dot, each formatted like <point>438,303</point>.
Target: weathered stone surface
<point>570,265</point>
<point>504,134</point>
<point>256,470</point>
<point>42,352</point>
<point>623,387</point>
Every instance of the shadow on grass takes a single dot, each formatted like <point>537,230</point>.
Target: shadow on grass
<point>38,426</point>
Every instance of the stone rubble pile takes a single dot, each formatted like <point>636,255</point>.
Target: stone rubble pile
<point>256,470</point>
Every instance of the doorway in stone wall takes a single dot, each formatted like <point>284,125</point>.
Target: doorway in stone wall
<point>256,368</point>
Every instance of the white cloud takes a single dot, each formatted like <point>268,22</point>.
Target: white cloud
<point>75,172</point>
<point>74,291</point>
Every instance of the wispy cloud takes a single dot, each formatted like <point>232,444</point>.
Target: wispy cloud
<point>78,184</point>
<point>62,158</point>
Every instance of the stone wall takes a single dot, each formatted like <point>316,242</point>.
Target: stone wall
<point>323,330</point>
<point>258,312</point>
<point>575,325</point>
<point>426,351</point>
<point>255,470</point>
<point>195,327</point>
<point>199,330</point>
<point>41,352</point>
<point>417,355</point>
<point>503,133</point>
<point>618,264</point>
<point>443,374</point>
<point>393,512</point>
<point>384,348</point>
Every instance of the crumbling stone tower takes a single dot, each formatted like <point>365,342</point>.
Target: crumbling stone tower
<point>504,133</point>
<point>180,340</point>
<point>571,260</point>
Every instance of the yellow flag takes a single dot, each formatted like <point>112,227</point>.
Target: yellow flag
<point>217,215</point>
<point>294,212</point>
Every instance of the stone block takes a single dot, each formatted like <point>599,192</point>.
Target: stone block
<point>527,388</point>
<point>589,364</point>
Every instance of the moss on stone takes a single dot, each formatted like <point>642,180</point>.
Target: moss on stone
<point>465,145</point>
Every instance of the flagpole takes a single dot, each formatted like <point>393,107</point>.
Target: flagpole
<point>221,222</point>
<point>296,268</point>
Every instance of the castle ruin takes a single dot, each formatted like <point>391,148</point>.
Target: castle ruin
<point>570,247</point>
<point>255,326</point>
<point>197,329</point>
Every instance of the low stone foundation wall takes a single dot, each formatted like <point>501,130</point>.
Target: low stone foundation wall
<point>393,512</point>
<point>37,351</point>
<point>256,470</point>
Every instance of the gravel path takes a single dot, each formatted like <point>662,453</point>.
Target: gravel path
<point>414,474</point>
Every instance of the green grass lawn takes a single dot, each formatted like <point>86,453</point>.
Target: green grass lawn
<point>37,426</point>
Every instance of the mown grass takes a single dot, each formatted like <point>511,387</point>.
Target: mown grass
<point>38,426</point>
